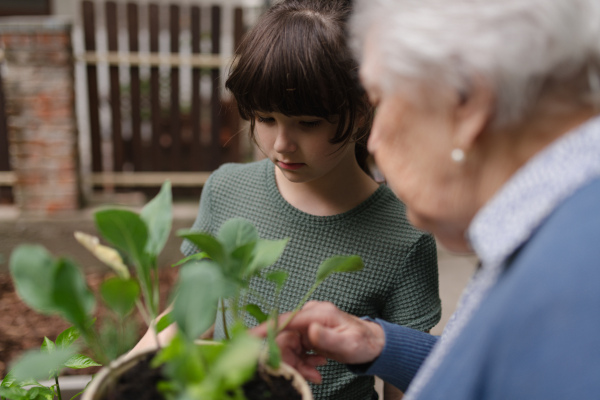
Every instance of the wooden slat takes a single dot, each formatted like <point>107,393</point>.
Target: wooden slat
<point>197,157</point>
<point>7,178</point>
<point>6,195</point>
<point>115,89</point>
<point>148,179</point>
<point>238,27</point>
<point>89,31</point>
<point>135,92</point>
<point>4,155</point>
<point>155,59</point>
<point>175,119</point>
<point>232,117</point>
<point>215,120</point>
<point>158,158</point>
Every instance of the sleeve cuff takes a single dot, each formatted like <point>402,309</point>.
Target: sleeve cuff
<point>404,351</point>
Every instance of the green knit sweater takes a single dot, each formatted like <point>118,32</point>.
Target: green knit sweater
<point>399,282</point>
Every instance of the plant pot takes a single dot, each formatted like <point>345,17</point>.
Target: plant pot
<point>108,376</point>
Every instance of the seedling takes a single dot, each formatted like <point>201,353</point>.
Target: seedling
<point>223,271</point>
<point>56,286</point>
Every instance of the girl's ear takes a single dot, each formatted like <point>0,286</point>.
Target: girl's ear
<point>472,114</point>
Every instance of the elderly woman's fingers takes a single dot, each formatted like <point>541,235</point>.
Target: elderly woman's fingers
<point>295,354</point>
<point>330,332</point>
<point>324,329</point>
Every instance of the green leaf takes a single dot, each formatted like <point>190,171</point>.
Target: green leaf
<point>266,253</point>
<point>47,345</point>
<point>201,284</point>
<point>235,233</point>
<point>120,295</point>
<point>194,257</point>
<point>164,322</point>
<point>238,362</point>
<point>67,337</point>
<point>39,393</point>
<point>278,277</point>
<point>157,215</point>
<point>8,380</point>
<point>237,268</point>
<point>37,365</point>
<point>33,269</point>
<point>339,264</point>
<point>13,393</point>
<point>79,361</point>
<point>125,230</point>
<point>206,243</point>
<point>182,361</point>
<point>71,295</point>
<point>256,312</point>
<point>43,393</point>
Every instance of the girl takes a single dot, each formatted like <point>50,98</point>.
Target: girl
<point>296,82</point>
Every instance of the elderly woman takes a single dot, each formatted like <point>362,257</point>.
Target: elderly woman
<point>487,129</point>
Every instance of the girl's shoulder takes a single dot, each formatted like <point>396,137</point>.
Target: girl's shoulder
<point>386,214</point>
<point>385,201</point>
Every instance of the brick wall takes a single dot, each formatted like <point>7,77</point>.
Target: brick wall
<point>42,130</point>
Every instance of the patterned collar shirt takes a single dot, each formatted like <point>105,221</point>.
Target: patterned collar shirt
<point>509,219</point>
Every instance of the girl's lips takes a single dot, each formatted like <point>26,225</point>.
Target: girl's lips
<point>290,166</point>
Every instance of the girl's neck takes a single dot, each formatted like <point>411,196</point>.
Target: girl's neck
<point>339,191</point>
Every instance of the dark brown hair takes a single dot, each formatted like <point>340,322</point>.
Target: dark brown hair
<point>295,61</point>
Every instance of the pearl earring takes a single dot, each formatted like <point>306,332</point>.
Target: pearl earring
<point>457,155</point>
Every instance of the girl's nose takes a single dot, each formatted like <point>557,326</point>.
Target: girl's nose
<point>284,142</point>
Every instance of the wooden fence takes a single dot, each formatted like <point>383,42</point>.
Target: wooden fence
<point>154,129</point>
<point>6,178</point>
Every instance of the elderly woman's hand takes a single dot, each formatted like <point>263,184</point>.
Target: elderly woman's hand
<point>329,333</point>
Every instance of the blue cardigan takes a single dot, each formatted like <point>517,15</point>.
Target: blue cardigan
<point>537,333</point>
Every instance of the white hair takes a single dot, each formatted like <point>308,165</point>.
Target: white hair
<point>516,46</point>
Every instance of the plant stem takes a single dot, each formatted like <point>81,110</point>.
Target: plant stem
<point>93,342</point>
<point>223,310</point>
<point>155,334</point>
<point>143,313</point>
<point>298,307</point>
<point>155,291</point>
<point>57,388</point>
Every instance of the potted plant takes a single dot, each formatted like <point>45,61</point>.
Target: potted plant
<point>56,286</point>
<point>185,369</point>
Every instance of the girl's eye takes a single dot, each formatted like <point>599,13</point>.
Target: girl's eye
<point>311,124</point>
<point>265,120</point>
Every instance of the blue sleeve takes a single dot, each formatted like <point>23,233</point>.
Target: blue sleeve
<point>404,351</point>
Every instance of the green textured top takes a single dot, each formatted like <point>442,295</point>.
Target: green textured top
<point>399,282</point>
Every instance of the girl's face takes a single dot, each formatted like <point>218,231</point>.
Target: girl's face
<point>299,146</point>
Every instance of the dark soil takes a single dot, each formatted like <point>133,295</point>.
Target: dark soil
<point>140,383</point>
<point>22,328</point>
<point>270,387</point>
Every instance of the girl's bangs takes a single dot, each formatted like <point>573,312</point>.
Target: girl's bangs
<point>292,76</point>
